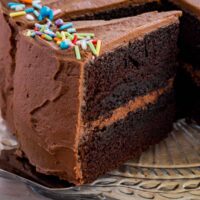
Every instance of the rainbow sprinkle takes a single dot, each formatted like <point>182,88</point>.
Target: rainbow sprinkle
<point>63,34</point>
<point>37,9</point>
<point>64,39</point>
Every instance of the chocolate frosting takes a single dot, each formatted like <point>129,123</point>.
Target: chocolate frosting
<point>69,10</point>
<point>73,9</point>
<point>115,33</point>
<point>49,90</point>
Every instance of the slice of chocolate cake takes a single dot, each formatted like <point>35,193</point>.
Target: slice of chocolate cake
<point>79,118</point>
<point>189,43</point>
<point>68,10</point>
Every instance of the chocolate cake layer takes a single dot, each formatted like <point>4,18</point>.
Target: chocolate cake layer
<point>69,10</point>
<point>103,148</point>
<point>130,71</point>
<point>50,92</point>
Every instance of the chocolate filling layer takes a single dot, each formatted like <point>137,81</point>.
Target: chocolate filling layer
<point>139,103</point>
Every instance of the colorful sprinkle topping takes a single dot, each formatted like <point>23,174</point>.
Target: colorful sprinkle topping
<point>63,34</point>
<point>38,10</point>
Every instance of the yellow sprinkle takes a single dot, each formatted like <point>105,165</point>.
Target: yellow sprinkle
<point>98,47</point>
<point>77,52</point>
<point>17,14</point>
<point>63,35</point>
<point>58,42</point>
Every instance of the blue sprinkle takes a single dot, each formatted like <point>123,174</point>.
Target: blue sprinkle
<point>49,32</point>
<point>29,10</point>
<point>33,34</point>
<point>64,45</point>
<point>18,7</point>
<point>46,12</point>
<point>51,15</point>
<point>66,26</point>
<point>15,4</point>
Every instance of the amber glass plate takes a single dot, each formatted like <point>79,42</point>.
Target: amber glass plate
<point>168,170</point>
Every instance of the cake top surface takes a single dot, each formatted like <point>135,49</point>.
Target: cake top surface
<point>72,9</point>
<point>112,34</point>
<point>190,5</point>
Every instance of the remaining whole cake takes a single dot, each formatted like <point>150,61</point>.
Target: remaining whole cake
<point>188,82</point>
<point>78,119</point>
<point>68,10</point>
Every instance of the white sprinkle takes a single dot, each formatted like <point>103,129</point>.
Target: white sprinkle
<point>36,5</point>
<point>19,8</point>
<point>78,42</point>
<point>9,142</point>
<point>28,33</point>
<point>56,12</point>
<point>36,1</point>
<point>30,17</point>
<point>83,44</point>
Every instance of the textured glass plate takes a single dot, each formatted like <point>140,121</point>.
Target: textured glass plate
<point>169,170</point>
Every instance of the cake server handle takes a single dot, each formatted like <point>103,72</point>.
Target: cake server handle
<point>72,193</point>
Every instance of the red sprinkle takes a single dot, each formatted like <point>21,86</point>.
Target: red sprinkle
<point>94,41</point>
<point>75,39</point>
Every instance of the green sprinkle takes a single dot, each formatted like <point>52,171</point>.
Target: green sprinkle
<point>58,34</point>
<point>80,37</point>
<point>70,36</point>
<point>85,34</point>
<point>77,52</point>
<point>90,44</point>
<point>43,28</point>
<point>47,37</point>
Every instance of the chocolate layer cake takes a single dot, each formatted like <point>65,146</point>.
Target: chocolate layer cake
<point>77,9</point>
<point>78,119</point>
<point>189,43</point>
